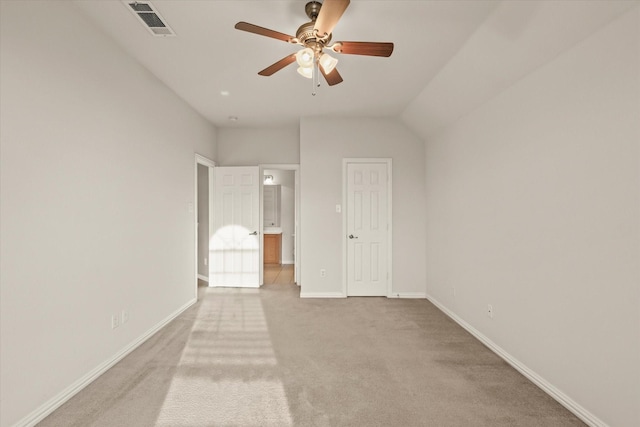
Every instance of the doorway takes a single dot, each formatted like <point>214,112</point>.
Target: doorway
<point>203,211</point>
<point>281,185</point>
<point>367,221</point>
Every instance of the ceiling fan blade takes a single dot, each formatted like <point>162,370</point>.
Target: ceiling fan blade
<point>333,78</point>
<point>363,48</point>
<point>245,26</point>
<point>329,15</point>
<point>271,69</point>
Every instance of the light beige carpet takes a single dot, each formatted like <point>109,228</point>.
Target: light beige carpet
<point>267,358</point>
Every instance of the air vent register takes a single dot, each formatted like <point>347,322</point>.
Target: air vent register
<point>150,17</point>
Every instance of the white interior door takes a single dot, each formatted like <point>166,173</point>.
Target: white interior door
<point>235,243</point>
<point>367,229</point>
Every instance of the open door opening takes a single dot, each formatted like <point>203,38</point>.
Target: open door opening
<point>203,217</point>
<point>242,231</point>
<point>280,224</point>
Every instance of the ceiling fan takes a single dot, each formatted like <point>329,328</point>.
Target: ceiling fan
<point>315,37</point>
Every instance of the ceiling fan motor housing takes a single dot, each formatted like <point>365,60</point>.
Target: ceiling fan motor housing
<point>307,37</point>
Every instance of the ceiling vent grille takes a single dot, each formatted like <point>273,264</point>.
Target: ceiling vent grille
<point>150,17</point>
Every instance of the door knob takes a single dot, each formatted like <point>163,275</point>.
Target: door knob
<point>351,236</point>
<point>255,233</point>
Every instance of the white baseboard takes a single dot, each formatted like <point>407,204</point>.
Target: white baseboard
<point>287,262</point>
<point>546,386</point>
<point>322,295</point>
<point>54,403</point>
<point>204,278</point>
<point>414,295</point>
<point>232,287</point>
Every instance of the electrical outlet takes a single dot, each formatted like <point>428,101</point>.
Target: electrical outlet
<point>490,311</point>
<point>115,321</point>
<point>206,261</point>
<point>338,208</point>
<point>323,272</point>
<point>124,317</point>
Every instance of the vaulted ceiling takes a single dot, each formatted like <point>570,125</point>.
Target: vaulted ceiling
<point>449,57</point>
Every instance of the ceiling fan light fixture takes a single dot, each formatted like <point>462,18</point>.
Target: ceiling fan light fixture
<point>306,72</point>
<point>328,63</point>
<point>305,57</point>
<point>315,36</point>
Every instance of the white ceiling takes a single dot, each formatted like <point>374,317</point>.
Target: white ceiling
<point>449,56</point>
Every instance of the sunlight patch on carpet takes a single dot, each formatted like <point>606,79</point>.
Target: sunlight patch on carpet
<point>226,373</point>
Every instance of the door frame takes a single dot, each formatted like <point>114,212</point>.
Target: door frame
<point>388,162</point>
<point>210,164</point>
<point>296,262</point>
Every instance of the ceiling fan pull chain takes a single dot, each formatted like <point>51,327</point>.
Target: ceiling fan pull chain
<point>314,76</point>
<point>318,72</point>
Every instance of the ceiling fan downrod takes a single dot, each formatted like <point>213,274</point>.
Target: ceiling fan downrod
<point>312,9</point>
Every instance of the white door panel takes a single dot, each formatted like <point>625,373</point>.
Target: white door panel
<point>367,229</point>
<point>235,248</point>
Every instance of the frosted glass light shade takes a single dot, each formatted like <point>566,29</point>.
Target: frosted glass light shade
<point>328,63</point>
<point>306,72</point>
<point>304,57</point>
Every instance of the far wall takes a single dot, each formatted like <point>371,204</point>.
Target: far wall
<point>255,146</point>
<point>321,190</point>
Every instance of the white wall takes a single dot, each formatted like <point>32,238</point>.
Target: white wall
<point>323,145</point>
<point>254,146</point>
<point>97,170</point>
<point>287,181</point>
<point>533,206</point>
